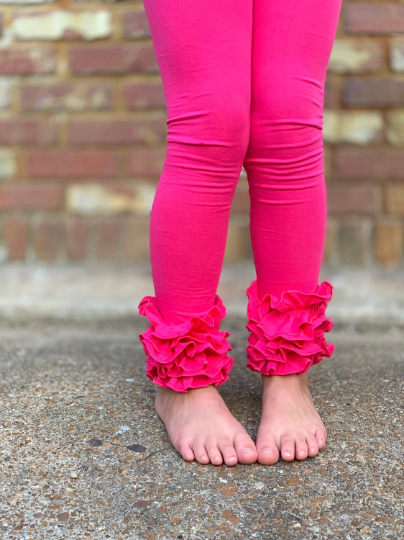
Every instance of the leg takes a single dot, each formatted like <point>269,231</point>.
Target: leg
<point>204,54</point>
<point>292,42</point>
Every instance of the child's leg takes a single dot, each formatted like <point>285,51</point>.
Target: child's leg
<point>203,50</point>
<point>292,42</point>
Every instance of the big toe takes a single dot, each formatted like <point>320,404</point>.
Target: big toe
<point>245,448</point>
<point>186,451</point>
<point>268,453</point>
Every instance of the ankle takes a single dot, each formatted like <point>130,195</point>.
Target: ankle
<point>285,383</point>
<point>293,378</point>
<point>205,393</point>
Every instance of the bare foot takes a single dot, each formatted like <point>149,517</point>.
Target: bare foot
<point>201,427</point>
<point>290,424</point>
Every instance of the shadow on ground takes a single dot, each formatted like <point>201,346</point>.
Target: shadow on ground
<point>84,456</point>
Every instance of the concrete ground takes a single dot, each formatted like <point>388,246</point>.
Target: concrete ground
<point>83,455</point>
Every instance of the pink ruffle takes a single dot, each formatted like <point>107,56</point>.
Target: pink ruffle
<point>287,333</point>
<point>192,354</point>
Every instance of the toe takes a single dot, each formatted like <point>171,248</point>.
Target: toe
<point>214,453</point>
<point>312,445</point>
<point>301,451</point>
<point>321,437</point>
<point>186,451</point>
<point>287,448</point>
<point>245,448</point>
<point>228,452</point>
<point>268,453</point>
<point>200,453</point>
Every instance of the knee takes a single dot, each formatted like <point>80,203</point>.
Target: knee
<point>286,137</point>
<point>290,112</point>
<point>230,119</point>
<point>218,128</point>
<point>287,132</point>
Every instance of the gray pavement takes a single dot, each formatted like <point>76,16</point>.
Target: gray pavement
<point>83,455</point>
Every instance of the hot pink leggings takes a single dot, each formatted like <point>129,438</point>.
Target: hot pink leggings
<point>244,86</point>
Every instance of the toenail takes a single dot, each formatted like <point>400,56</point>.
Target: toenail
<point>247,451</point>
<point>287,454</point>
<point>314,449</point>
<point>266,451</point>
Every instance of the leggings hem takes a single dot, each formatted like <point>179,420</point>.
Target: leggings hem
<point>188,355</point>
<point>287,332</point>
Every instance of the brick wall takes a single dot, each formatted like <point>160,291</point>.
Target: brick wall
<point>83,126</point>
<point>364,136</point>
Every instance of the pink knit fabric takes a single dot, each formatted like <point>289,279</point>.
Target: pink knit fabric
<point>287,332</point>
<point>244,86</point>
<point>187,355</point>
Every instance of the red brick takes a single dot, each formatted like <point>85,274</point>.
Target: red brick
<point>147,162</point>
<point>373,18</point>
<point>369,164</point>
<point>23,60</point>
<point>113,59</point>
<point>16,236</point>
<point>373,92</point>
<point>117,132</point>
<point>27,131</point>
<point>77,232</point>
<point>48,238</point>
<point>135,24</point>
<point>66,96</point>
<point>144,95</point>
<point>72,164</point>
<point>107,236</point>
<point>362,200</point>
<point>30,197</point>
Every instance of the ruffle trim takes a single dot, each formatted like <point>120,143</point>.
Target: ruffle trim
<point>192,354</point>
<point>287,332</point>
